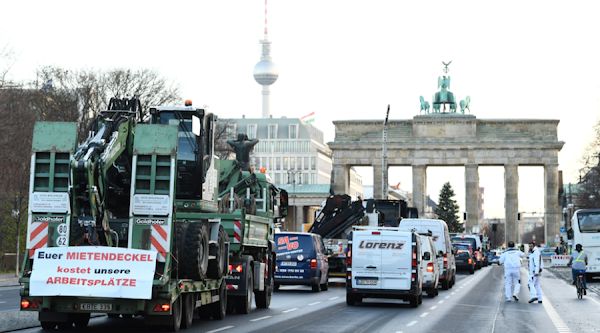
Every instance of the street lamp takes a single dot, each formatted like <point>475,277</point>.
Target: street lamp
<point>292,174</point>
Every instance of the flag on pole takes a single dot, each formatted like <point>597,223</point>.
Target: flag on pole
<point>397,186</point>
<point>309,118</point>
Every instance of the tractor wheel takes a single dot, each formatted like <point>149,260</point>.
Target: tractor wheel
<point>216,267</point>
<point>179,241</point>
<point>195,256</point>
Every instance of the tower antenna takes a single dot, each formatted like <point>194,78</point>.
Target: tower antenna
<point>266,31</point>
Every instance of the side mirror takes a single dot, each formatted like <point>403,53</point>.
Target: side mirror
<point>329,252</point>
<point>440,254</point>
<point>454,250</point>
<point>196,125</point>
<point>426,256</point>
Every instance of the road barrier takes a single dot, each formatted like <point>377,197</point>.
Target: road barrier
<point>559,260</point>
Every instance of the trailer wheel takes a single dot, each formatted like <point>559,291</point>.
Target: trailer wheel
<point>175,317</point>
<point>216,267</point>
<point>263,298</point>
<point>48,325</point>
<point>188,309</point>
<point>219,308</point>
<point>446,284</point>
<point>196,251</point>
<point>244,304</point>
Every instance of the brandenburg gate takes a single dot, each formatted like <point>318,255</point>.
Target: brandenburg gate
<point>450,138</point>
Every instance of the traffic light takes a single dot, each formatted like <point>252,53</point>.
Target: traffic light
<point>464,216</point>
<point>518,216</point>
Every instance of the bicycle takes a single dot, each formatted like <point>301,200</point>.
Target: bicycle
<point>579,285</point>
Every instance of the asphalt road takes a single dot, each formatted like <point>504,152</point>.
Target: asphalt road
<point>9,299</point>
<point>475,304</point>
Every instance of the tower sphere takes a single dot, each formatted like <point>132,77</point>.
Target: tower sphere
<point>266,72</point>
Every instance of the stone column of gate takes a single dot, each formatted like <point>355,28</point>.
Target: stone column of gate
<point>472,193</point>
<point>551,206</point>
<point>299,218</point>
<point>378,181</point>
<point>340,182</point>
<point>419,175</point>
<point>511,202</point>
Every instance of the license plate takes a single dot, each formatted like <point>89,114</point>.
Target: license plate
<point>371,282</point>
<point>460,261</point>
<point>96,306</point>
<point>289,263</point>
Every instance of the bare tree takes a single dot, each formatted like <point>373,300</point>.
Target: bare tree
<point>7,60</point>
<point>15,146</point>
<point>91,90</point>
<point>224,132</point>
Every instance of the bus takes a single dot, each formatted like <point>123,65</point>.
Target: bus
<point>586,231</point>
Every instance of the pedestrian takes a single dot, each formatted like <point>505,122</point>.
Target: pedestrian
<point>536,264</point>
<point>557,251</point>
<point>511,259</point>
<point>579,260</point>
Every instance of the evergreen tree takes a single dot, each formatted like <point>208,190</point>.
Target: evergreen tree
<point>447,209</point>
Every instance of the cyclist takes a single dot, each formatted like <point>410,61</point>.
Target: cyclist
<point>579,260</point>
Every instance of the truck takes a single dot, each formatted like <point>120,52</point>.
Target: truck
<point>129,222</point>
<point>339,213</point>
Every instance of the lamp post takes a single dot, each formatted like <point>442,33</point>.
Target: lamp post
<point>292,174</point>
<point>17,215</point>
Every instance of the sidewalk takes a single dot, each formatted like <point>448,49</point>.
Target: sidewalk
<point>8,280</point>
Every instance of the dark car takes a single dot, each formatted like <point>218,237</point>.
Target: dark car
<point>301,260</point>
<point>465,261</point>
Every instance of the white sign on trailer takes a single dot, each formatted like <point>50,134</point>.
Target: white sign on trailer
<point>93,271</point>
<point>50,202</point>
<point>147,204</point>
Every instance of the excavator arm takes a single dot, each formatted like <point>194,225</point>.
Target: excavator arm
<point>101,174</point>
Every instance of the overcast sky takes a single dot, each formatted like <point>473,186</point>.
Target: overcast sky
<point>345,60</point>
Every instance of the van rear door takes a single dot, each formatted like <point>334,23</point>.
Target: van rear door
<point>396,259</point>
<point>366,260</point>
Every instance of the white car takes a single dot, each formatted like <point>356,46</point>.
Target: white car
<point>430,266</point>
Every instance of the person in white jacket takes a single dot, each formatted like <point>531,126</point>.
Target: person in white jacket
<point>511,259</point>
<point>536,264</point>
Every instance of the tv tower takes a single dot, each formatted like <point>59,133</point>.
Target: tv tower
<point>266,71</point>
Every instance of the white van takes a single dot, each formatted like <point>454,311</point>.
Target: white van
<point>430,266</point>
<point>384,262</point>
<point>441,240</point>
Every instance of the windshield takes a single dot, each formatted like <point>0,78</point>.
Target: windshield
<point>463,247</point>
<point>463,254</point>
<point>589,221</point>
<point>186,138</point>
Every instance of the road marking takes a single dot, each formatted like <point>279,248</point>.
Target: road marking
<point>261,318</point>
<point>440,302</point>
<point>2,301</point>
<point>452,294</point>
<point>556,320</point>
<point>220,329</point>
<point>433,307</point>
<point>411,323</point>
<point>331,299</point>
<point>447,297</point>
<point>290,310</point>
<point>424,314</point>
<point>314,303</point>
